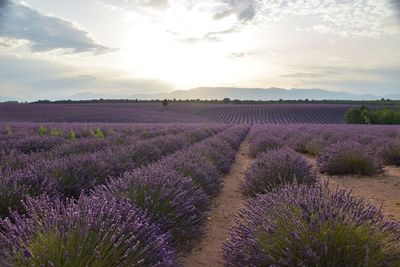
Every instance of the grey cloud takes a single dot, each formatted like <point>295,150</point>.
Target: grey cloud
<point>243,10</point>
<point>237,55</point>
<point>29,79</point>
<point>4,44</point>
<point>44,32</point>
<point>378,80</point>
<point>395,4</point>
<point>303,75</point>
<point>134,4</point>
<point>212,36</point>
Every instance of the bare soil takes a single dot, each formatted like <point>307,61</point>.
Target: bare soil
<point>208,251</point>
<point>381,189</point>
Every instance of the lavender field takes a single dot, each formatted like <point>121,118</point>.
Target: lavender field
<point>175,112</point>
<point>176,133</point>
<point>167,184</point>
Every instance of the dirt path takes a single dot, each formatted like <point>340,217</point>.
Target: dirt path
<point>378,189</point>
<point>208,252</point>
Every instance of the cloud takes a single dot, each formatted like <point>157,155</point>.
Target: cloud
<point>340,17</point>
<point>395,4</point>
<point>303,75</point>
<point>135,4</point>
<point>44,32</point>
<point>212,36</point>
<point>30,79</point>
<point>377,80</point>
<point>243,10</point>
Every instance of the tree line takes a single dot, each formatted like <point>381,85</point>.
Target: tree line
<point>365,115</point>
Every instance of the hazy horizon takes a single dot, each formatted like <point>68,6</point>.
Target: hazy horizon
<point>53,50</point>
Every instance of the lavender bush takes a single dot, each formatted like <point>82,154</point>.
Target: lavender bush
<point>17,185</point>
<point>218,152</point>
<point>199,169</point>
<point>76,173</point>
<point>89,232</point>
<point>275,168</point>
<point>170,199</point>
<point>302,225</point>
<point>264,143</point>
<point>315,146</point>
<point>389,151</point>
<point>349,157</point>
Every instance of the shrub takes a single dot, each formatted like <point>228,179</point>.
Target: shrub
<point>364,115</point>
<point>218,152</point>
<point>315,146</point>
<point>9,131</point>
<point>201,170</point>
<point>16,185</point>
<point>31,144</point>
<point>15,160</point>
<point>349,157</point>
<point>72,135</point>
<point>89,232</point>
<point>275,168</point>
<point>390,152</point>
<point>56,132</point>
<point>263,144</point>
<point>98,133</point>
<point>300,225</point>
<point>356,116</point>
<point>171,199</point>
<point>42,131</point>
<point>75,173</point>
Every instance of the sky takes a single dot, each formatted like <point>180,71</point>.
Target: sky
<point>58,49</point>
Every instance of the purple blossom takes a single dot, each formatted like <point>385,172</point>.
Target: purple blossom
<point>93,231</point>
<point>349,157</point>
<point>15,186</point>
<point>275,168</point>
<point>301,225</point>
<point>170,199</point>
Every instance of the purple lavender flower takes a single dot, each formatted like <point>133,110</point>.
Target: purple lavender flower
<point>170,199</point>
<point>301,225</point>
<point>199,169</point>
<point>93,231</point>
<point>275,168</point>
<point>349,157</point>
<point>17,185</point>
<point>389,150</point>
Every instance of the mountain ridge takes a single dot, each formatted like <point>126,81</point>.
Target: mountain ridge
<point>272,93</point>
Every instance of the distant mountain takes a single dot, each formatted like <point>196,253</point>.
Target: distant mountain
<point>272,93</point>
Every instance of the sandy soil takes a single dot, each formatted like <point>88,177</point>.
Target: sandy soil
<point>382,189</point>
<point>208,252</point>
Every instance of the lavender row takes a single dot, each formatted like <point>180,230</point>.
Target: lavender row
<point>302,225</point>
<point>28,138</point>
<point>68,176</point>
<point>291,219</point>
<point>177,190</point>
<point>15,158</point>
<point>278,114</point>
<point>137,219</point>
<point>349,149</point>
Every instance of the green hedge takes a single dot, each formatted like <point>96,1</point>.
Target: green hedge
<point>364,115</point>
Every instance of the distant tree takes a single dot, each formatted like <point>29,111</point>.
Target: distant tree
<point>354,116</point>
<point>236,101</point>
<point>364,115</point>
<point>164,102</point>
<point>226,100</point>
